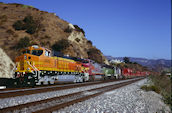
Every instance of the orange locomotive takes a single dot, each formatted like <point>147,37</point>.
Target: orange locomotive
<point>37,66</point>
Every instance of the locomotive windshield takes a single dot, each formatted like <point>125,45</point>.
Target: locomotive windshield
<point>26,51</point>
<point>37,52</point>
<point>85,61</point>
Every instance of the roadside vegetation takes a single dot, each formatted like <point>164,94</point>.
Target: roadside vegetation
<point>3,19</point>
<point>27,6</point>
<point>61,45</point>
<point>77,28</point>
<point>95,54</point>
<point>151,88</point>
<point>161,84</point>
<point>23,42</point>
<point>29,24</point>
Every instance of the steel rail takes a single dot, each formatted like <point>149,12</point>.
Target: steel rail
<point>80,96</point>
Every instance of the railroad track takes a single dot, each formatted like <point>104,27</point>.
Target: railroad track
<point>6,93</point>
<point>29,91</point>
<point>56,103</point>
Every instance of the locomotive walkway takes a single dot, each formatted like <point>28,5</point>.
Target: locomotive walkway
<point>65,99</point>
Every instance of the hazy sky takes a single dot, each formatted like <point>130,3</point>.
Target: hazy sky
<point>134,28</point>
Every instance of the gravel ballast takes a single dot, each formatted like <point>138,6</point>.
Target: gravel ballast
<point>12,101</point>
<point>128,99</point>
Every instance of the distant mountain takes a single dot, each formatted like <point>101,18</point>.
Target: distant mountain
<point>158,64</point>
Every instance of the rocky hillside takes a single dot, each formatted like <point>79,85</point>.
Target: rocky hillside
<point>22,25</point>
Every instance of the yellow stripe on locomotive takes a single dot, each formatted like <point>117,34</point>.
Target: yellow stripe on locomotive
<point>37,58</point>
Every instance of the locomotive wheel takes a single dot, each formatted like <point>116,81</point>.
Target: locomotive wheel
<point>49,83</point>
<point>20,82</point>
<point>82,79</point>
<point>105,78</point>
<point>32,82</point>
<point>92,78</point>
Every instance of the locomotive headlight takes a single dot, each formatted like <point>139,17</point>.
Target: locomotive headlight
<point>25,57</point>
<point>28,69</point>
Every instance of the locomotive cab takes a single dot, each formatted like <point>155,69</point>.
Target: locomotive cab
<point>37,51</point>
<point>30,55</point>
<point>30,63</point>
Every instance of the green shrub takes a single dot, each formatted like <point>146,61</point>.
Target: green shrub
<point>34,43</point>
<point>126,66</point>
<point>90,42</point>
<point>28,24</point>
<point>31,29</point>
<point>23,42</point>
<point>151,88</point>
<point>68,30</point>
<point>46,37</point>
<point>79,29</point>
<point>95,55</point>
<point>43,43</point>
<point>28,19</point>
<point>19,25</point>
<point>126,60</point>
<point>167,98</point>
<point>27,6</point>
<point>77,39</point>
<point>93,51</point>
<point>61,45</point>
<point>15,35</point>
<point>16,4</point>
<point>3,19</point>
<point>164,83</point>
<point>135,63</point>
<point>9,31</point>
<point>5,7</point>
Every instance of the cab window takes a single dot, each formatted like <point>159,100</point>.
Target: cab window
<point>37,52</point>
<point>47,53</point>
<point>85,61</point>
<point>26,51</point>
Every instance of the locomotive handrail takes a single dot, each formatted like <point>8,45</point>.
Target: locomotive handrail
<point>33,67</point>
<point>13,70</point>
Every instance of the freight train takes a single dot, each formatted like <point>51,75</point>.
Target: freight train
<point>36,66</point>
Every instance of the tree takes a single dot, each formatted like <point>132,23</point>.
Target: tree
<point>23,42</point>
<point>126,60</point>
<point>61,45</point>
<point>28,24</point>
<point>95,54</point>
<point>79,29</point>
<point>135,63</point>
<point>89,42</point>
<point>19,25</point>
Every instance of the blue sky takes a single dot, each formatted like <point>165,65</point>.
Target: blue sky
<point>133,28</point>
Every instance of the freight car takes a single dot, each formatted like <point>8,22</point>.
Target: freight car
<point>94,70</point>
<point>37,66</point>
<point>111,72</point>
<point>130,73</point>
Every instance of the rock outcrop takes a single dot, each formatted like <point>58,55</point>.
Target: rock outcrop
<point>6,65</point>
